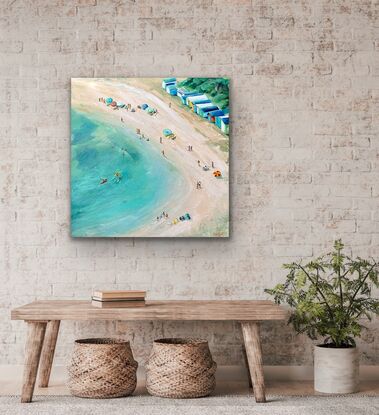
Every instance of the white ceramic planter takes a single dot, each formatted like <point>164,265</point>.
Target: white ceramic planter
<point>336,370</point>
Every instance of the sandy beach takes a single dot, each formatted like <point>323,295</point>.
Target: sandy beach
<point>208,205</point>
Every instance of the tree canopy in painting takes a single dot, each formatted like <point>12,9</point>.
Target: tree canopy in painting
<point>216,89</point>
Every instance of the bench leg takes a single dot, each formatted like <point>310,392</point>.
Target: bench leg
<point>48,350</point>
<point>250,331</point>
<point>36,334</point>
<point>247,367</point>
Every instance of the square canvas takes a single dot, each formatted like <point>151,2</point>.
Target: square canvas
<point>150,157</point>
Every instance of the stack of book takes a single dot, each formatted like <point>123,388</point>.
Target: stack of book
<point>118,299</point>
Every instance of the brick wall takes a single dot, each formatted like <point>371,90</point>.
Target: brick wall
<point>304,158</point>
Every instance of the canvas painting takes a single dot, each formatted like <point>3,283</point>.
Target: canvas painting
<point>150,157</point>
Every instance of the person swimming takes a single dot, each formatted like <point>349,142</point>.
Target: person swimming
<point>103,180</point>
<point>117,176</point>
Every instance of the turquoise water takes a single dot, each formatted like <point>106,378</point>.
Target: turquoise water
<point>98,150</point>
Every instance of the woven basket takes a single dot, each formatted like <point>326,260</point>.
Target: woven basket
<point>180,368</point>
<point>102,368</point>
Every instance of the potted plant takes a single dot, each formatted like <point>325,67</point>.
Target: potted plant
<point>330,296</point>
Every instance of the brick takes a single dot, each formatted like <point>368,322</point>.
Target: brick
<point>10,46</point>
<point>273,69</point>
<point>293,251</point>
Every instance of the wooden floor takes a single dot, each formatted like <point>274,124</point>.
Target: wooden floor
<point>279,388</point>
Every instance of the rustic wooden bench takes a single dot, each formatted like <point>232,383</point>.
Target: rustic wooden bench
<point>44,317</point>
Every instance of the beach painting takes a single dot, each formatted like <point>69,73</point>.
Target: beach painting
<point>150,157</point>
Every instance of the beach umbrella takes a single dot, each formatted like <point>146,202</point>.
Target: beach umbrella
<point>108,100</point>
<point>121,105</point>
<point>113,104</point>
<point>167,132</point>
<point>144,106</point>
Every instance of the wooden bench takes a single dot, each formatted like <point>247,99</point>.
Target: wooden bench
<point>44,317</point>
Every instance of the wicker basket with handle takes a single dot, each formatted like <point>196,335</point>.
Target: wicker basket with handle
<point>180,368</point>
<point>102,368</point>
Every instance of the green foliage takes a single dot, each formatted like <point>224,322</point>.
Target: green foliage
<point>330,295</point>
<point>217,89</point>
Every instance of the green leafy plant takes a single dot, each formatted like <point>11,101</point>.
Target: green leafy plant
<point>330,295</point>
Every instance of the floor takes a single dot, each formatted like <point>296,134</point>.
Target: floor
<point>275,388</point>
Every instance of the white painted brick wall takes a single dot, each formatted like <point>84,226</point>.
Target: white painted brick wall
<point>305,151</point>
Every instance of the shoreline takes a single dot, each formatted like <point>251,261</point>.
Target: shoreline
<point>203,205</point>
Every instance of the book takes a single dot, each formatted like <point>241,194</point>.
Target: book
<point>109,300</point>
<point>117,304</point>
<point>133,294</point>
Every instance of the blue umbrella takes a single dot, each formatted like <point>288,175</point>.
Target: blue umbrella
<point>167,132</point>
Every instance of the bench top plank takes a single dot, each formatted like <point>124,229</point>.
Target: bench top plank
<point>209,310</point>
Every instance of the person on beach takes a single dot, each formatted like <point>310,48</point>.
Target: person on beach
<point>213,165</point>
<point>160,140</point>
<point>169,104</point>
<point>199,184</point>
<point>198,163</point>
<point>163,154</point>
<point>122,120</point>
